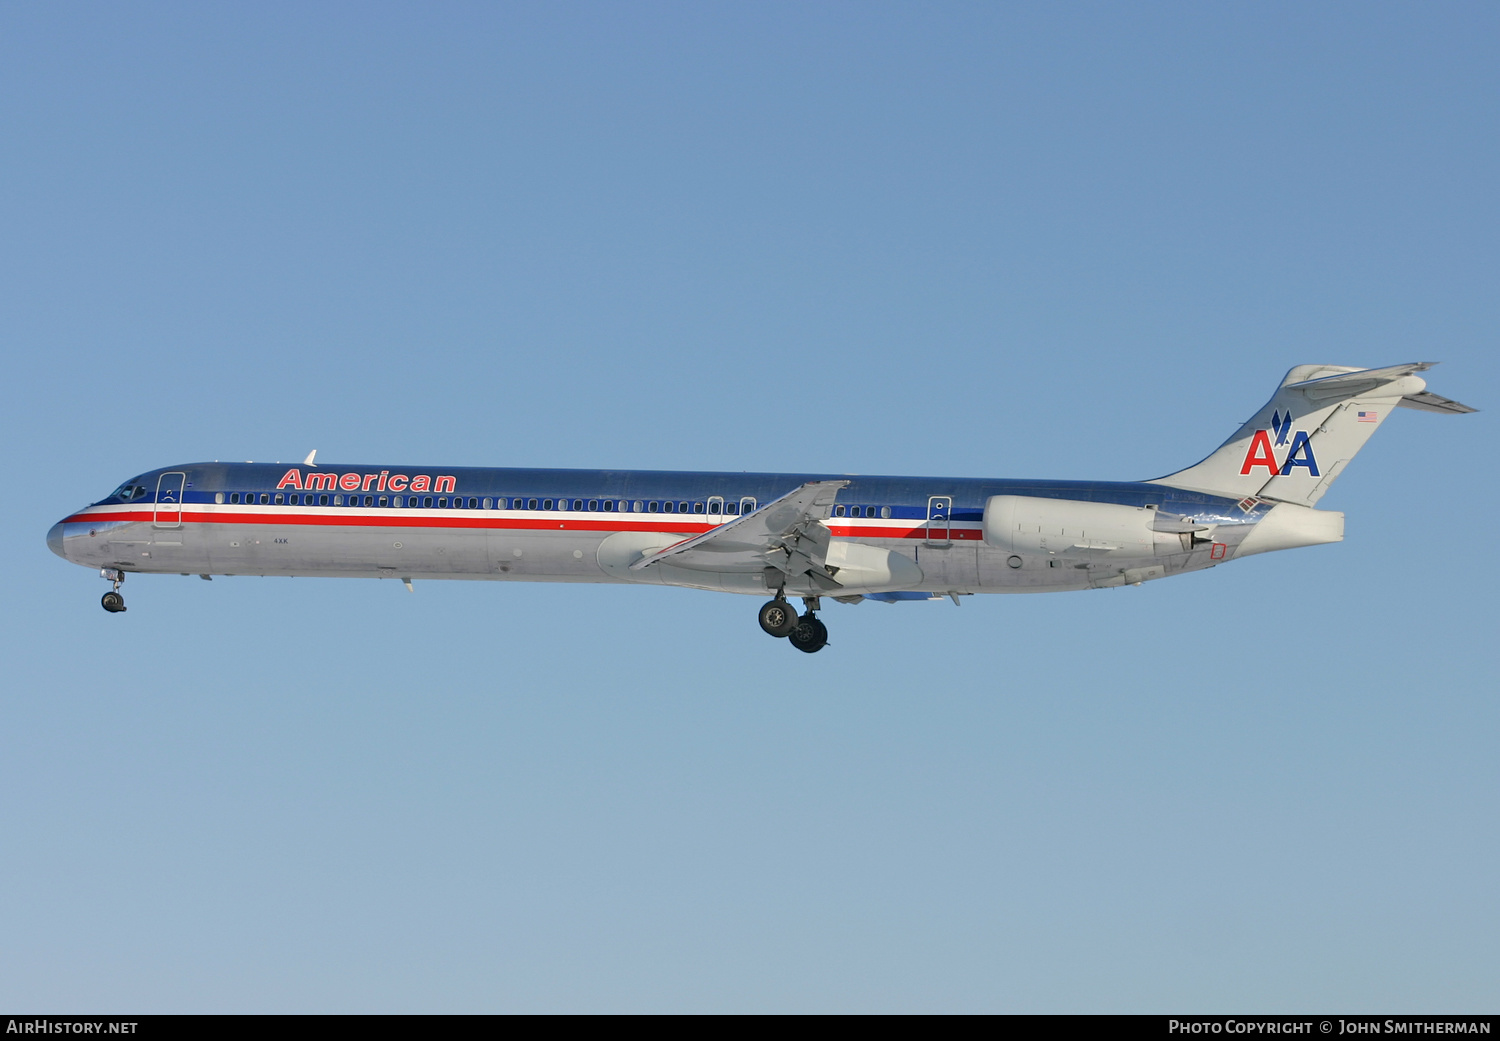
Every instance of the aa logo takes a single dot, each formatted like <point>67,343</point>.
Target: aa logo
<point>1263,453</point>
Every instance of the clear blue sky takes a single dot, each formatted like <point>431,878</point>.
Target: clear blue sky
<point>1060,240</point>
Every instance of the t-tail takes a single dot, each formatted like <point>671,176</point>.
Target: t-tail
<point>1296,446</point>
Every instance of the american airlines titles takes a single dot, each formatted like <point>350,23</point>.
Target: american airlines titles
<point>384,481</point>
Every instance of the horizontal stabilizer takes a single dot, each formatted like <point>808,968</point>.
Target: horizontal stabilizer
<point>1427,401</point>
<point>1356,381</point>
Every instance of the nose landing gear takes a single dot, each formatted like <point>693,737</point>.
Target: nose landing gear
<point>807,634</point>
<point>112,601</point>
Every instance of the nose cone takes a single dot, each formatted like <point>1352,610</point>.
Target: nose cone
<point>55,539</point>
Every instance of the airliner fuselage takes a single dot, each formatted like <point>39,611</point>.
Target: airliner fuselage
<point>844,537</point>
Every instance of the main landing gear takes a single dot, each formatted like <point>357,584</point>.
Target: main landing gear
<point>807,634</point>
<point>112,601</point>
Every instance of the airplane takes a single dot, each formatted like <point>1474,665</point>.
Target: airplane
<point>845,538</point>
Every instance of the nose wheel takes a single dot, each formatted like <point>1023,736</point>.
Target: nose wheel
<point>112,601</point>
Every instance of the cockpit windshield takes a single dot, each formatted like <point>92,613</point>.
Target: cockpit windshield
<point>128,492</point>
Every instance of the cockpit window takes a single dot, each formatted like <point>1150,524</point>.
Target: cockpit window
<point>128,492</point>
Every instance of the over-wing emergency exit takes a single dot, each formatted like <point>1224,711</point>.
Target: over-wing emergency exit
<point>807,537</point>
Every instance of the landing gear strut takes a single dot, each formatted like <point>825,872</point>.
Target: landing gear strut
<point>112,601</point>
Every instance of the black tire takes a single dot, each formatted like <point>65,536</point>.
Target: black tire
<point>810,636</point>
<point>778,618</point>
<point>112,602</point>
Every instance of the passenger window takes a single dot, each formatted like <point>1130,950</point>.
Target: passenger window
<point>265,498</point>
<point>697,507</point>
<point>234,497</point>
<point>384,501</point>
<point>546,504</point>
<point>369,500</point>
<point>715,505</point>
<point>219,498</point>
<point>731,508</point>
<point>838,511</point>
<point>653,506</point>
<point>338,500</point>
<point>609,506</point>
<point>668,507</point>
<point>682,507</point>
<point>322,500</point>
<point>531,504</point>
<point>488,503</point>
<point>577,504</point>
<point>427,502</point>
<point>885,511</point>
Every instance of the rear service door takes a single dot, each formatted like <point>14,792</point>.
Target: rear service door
<point>939,511</point>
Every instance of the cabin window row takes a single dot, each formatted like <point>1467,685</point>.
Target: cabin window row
<point>861,511</point>
<point>714,506</point>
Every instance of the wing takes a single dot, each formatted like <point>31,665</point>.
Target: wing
<point>787,535</point>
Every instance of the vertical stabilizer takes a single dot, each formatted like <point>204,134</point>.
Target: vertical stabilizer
<point>1301,440</point>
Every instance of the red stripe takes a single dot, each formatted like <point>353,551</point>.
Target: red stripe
<point>396,519</point>
<point>957,534</point>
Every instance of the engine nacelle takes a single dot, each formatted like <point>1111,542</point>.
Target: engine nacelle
<point>1033,527</point>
